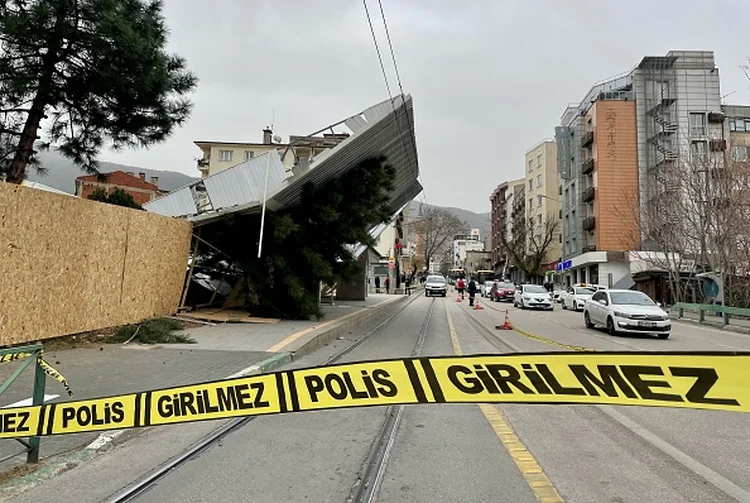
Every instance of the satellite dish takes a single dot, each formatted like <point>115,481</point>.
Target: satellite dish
<point>277,139</point>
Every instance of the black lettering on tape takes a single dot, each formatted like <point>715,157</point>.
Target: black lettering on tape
<point>314,386</point>
<point>14,422</point>
<point>258,388</point>
<point>416,383</point>
<point>353,391</point>
<point>643,387</point>
<point>335,386</point>
<point>244,397</point>
<point>164,407</point>
<point>470,385</point>
<point>95,414</point>
<point>387,388</point>
<point>186,403</point>
<point>705,378</point>
<point>557,388</point>
<point>608,380</point>
<point>511,376</point>
<point>536,380</point>
<point>486,379</point>
<point>228,398</point>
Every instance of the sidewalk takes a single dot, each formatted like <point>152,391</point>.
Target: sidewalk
<point>713,321</point>
<point>220,351</point>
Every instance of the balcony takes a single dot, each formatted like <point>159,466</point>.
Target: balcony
<point>587,138</point>
<point>589,194</point>
<point>588,248</point>
<point>716,117</point>
<point>589,223</point>
<point>587,166</point>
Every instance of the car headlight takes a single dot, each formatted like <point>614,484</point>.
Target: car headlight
<point>527,297</point>
<point>620,315</point>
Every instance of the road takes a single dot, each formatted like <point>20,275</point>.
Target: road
<point>473,453</point>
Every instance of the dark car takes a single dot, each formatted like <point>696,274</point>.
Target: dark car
<point>502,292</point>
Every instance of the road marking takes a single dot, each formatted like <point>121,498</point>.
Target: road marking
<point>692,464</point>
<point>281,345</point>
<point>28,401</point>
<point>542,487</point>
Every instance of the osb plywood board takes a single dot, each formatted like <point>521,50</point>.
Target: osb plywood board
<point>226,316</point>
<point>70,265</point>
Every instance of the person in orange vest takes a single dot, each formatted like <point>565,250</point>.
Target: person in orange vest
<point>461,285</point>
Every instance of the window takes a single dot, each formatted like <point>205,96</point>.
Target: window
<point>531,202</point>
<point>539,180</point>
<point>539,219</point>
<point>739,153</point>
<point>531,165</point>
<point>539,160</point>
<point>225,155</point>
<point>249,154</point>
<point>531,184</point>
<point>697,124</point>
<point>539,200</point>
<point>732,126</point>
<point>699,151</point>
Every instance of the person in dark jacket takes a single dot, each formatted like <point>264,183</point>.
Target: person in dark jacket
<point>472,289</point>
<point>377,284</point>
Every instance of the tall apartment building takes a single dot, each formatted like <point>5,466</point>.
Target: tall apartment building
<point>614,148</point>
<point>463,243</point>
<point>500,220</point>
<point>543,204</point>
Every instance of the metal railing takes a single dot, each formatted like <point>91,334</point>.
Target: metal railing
<point>31,355</point>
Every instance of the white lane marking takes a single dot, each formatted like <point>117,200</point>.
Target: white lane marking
<point>28,401</point>
<point>718,480</point>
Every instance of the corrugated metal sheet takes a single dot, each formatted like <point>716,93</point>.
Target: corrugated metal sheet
<point>178,203</point>
<point>244,183</point>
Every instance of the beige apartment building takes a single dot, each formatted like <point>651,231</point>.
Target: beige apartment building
<point>542,187</point>
<point>218,155</point>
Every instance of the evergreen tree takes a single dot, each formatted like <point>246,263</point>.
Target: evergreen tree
<point>118,197</point>
<point>97,69</point>
<point>307,244</point>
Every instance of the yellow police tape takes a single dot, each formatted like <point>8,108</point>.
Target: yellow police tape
<point>715,381</point>
<point>46,367</point>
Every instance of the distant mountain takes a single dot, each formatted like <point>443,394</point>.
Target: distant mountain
<point>62,173</point>
<point>473,220</point>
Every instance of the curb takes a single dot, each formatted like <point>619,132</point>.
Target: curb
<point>343,327</point>
<point>726,328</point>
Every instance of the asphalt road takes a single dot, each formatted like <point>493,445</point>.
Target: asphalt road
<point>464,453</point>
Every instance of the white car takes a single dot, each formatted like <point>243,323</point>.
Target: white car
<point>575,297</point>
<point>626,311</point>
<point>534,296</point>
<point>485,288</point>
<point>435,285</point>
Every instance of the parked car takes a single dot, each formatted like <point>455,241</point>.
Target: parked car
<point>534,296</point>
<point>485,288</point>
<point>626,311</point>
<point>557,296</point>
<point>576,296</point>
<point>435,285</point>
<point>503,291</point>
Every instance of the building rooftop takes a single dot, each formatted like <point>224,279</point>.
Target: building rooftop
<point>120,178</point>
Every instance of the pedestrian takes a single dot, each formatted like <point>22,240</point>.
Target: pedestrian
<point>387,285</point>
<point>407,285</point>
<point>460,285</point>
<point>377,284</point>
<point>472,289</point>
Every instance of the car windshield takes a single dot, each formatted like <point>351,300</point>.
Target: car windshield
<point>507,286</point>
<point>534,289</point>
<point>435,279</point>
<point>631,299</point>
<point>585,291</point>
<point>488,283</point>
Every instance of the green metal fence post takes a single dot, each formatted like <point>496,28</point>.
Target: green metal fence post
<point>702,316</point>
<point>40,382</point>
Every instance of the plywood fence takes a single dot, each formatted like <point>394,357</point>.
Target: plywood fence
<point>70,265</point>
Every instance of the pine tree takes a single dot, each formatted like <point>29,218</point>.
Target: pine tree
<point>307,244</point>
<point>97,69</point>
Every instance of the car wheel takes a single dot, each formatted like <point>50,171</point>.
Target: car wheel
<point>587,320</point>
<point>523,306</point>
<point>611,326</point>
<point>663,336</point>
<point>445,294</point>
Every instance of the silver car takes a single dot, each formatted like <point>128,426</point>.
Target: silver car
<point>435,285</point>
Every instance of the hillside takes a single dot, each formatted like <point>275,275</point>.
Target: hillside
<point>61,173</point>
<point>473,220</point>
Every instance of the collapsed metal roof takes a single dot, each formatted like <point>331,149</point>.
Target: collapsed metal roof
<point>384,129</point>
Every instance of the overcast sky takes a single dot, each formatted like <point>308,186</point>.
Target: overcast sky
<point>489,78</point>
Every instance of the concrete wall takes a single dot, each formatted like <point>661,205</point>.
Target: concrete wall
<point>72,265</point>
